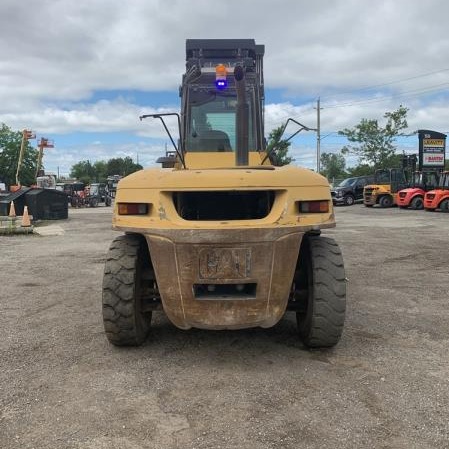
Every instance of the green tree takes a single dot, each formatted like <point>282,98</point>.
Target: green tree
<point>10,142</point>
<point>279,147</point>
<point>122,166</point>
<point>360,170</point>
<point>101,171</point>
<point>374,144</point>
<point>87,172</point>
<point>333,165</point>
<point>84,171</point>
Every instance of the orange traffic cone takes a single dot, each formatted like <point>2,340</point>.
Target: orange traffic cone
<point>26,222</point>
<point>12,210</point>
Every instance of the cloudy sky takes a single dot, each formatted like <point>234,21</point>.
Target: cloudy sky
<point>81,72</point>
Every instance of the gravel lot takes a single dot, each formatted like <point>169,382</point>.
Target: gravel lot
<point>386,385</point>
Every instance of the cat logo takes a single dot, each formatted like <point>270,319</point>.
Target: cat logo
<point>224,263</point>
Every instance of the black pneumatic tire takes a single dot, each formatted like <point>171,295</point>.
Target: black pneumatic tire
<point>349,200</point>
<point>417,203</point>
<point>444,206</point>
<point>386,201</point>
<point>320,324</point>
<point>124,322</point>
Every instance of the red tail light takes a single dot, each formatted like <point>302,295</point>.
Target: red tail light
<point>313,207</point>
<point>133,208</point>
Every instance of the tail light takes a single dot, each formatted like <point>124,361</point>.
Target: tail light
<point>133,208</point>
<point>313,207</point>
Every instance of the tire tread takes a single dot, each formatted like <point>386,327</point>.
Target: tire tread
<point>119,292</point>
<point>329,294</point>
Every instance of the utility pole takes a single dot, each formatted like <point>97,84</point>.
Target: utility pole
<point>318,135</point>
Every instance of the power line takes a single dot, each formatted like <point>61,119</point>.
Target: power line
<point>375,86</point>
<point>406,94</point>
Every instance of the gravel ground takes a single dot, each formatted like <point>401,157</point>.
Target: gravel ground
<point>385,385</point>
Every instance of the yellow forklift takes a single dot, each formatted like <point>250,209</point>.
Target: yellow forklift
<point>388,182</point>
<point>220,237</point>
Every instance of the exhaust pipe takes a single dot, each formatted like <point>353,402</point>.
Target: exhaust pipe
<point>241,118</point>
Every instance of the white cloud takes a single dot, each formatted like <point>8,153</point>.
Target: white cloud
<point>67,49</point>
<point>103,116</point>
<point>57,55</point>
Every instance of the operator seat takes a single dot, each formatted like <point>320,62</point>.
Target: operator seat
<point>213,140</point>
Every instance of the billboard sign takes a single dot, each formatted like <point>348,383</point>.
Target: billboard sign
<point>432,150</point>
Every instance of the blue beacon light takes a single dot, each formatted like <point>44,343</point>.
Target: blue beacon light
<point>221,82</point>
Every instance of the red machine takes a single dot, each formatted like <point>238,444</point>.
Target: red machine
<point>413,196</point>
<point>439,197</point>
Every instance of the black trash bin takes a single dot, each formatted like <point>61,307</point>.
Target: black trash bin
<point>47,204</point>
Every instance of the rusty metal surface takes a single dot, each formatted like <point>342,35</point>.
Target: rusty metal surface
<point>183,259</point>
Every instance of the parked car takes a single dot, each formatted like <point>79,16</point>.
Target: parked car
<point>350,190</point>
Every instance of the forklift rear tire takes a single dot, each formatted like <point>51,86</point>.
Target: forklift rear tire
<point>124,321</point>
<point>386,201</point>
<point>320,322</point>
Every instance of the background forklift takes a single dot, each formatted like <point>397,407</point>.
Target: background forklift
<point>111,188</point>
<point>439,198</point>
<point>421,183</point>
<point>91,195</point>
<point>98,195</point>
<point>388,182</point>
<point>76,194</point>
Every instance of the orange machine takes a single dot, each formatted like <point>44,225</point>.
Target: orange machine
<point>439,198</point>
<point>413,196</point>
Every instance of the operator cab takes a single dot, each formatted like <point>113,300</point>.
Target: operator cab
<point>209,94</point>
<point>424,180</point>
<point>211,116</point>
<point>221,124</point>
<point>444,181</point>
<point>395,177</point>
<point>211,123</point>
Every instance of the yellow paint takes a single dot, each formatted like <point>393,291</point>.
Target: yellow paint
<point>155,186</point>
<point>220,159</point>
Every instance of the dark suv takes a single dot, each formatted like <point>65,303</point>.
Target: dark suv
<point>350,190</point>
